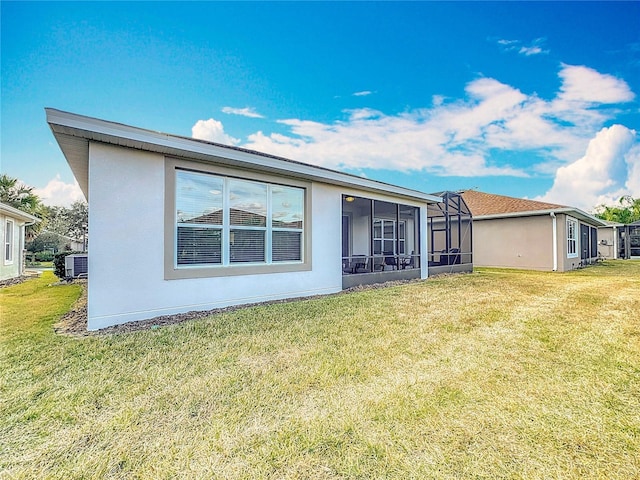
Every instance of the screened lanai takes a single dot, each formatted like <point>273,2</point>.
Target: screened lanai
<point>380,241</point>
<point>449,227</point>
<point>629,241</point>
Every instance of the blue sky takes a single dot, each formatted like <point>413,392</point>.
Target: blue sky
<point>537,100</point>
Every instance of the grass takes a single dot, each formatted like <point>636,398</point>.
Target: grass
<point>497,374</point>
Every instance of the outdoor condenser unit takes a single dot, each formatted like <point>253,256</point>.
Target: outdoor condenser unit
<point>76,265</point>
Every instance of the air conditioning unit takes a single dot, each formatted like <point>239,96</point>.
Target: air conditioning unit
<point>76,265</point>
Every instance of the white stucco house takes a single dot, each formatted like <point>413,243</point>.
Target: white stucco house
<point>12,226</point>
<point>179,224</point>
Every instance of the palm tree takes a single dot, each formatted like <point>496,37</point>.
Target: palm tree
<point>20,196</point>
<point>628,210</point>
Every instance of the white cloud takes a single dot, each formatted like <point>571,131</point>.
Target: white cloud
<point>58,193</point>
<point>585,85</point>
<point>212,131</point>
<point>528,51</point>
<point>454,137</point>
<point>633,179</point>
<point>363,93</point>
<point>535,48</point>
<point>609,169</point>
<point>245,112</point>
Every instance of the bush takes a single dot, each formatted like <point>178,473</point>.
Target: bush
<point>43,256</point>
<point>58,264</point>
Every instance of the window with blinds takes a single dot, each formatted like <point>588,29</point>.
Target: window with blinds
<point>229,221</point>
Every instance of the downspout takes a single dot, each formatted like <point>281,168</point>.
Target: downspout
<point>615,243</point>
<point>555,240</point>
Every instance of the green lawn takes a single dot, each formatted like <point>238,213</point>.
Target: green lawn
<point>496,374</point>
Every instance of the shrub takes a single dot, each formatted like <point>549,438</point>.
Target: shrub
<point>43,256</point>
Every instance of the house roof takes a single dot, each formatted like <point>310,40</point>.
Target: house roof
<point>74,133</point>
<point>13,212</point>
<point>489,205</point>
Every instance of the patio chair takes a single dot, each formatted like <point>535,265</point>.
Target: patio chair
<point>390,261</point>
<point>361,265</point>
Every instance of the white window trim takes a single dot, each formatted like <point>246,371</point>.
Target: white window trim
<point>576,224</point>
<point>172,271</point>
<point>397,241</point>
<point>9,241</point>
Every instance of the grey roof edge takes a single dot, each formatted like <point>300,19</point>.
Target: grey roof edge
<point>609,223</point>
<point>94,129</point>
<point>575,212</point>
<point>17,213</point>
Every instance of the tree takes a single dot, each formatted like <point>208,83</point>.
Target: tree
<point>627,211</point>
<point>70,222</point>
<point>77,220</point>
<point>20,196</point>
<point>48,241</point>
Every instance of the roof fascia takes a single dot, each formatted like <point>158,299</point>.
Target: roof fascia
<point>92,129</point>
<point>569,211</point>
<point>16,213</point>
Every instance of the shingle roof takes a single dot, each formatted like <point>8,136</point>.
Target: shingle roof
<point>481,203</point>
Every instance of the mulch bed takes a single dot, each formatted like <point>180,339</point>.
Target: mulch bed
<point>13,281</point>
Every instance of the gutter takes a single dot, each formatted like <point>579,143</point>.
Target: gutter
<point>574,212</point>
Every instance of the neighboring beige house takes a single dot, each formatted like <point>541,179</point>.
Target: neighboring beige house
<point>609,240</point>
<point>12,223</point>
<point>519,233</point>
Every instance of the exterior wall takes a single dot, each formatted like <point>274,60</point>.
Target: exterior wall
<point>565,261</point>
<point>13,268</point>
<point>517,242</point>
<point>527,242</point>
<point>607,242</point>
<point>126,224</point>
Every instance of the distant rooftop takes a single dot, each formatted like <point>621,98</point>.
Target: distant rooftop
<point>481,203</point>
<point>490,205</point>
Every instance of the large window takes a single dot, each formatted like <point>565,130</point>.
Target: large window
<point>572,238</point>
<point>8,241</point>
<point>225,221</point>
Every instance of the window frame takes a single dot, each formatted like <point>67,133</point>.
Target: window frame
<point>572,239</point>
<point>9,240</point>
<point>174,271</point>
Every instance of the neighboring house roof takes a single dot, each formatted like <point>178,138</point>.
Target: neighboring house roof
<point>17,214</point>
<point>489,205</point>
<point>482,203</point>
<point>74,132</point>
<point>609,223</point>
